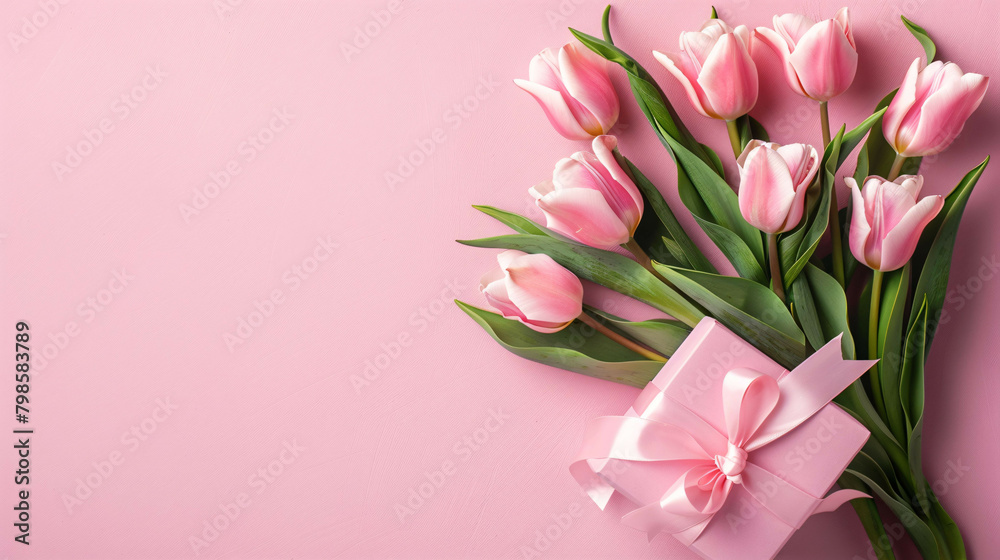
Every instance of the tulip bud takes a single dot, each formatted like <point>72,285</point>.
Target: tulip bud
<point>773,184</point>
<point>590,197</point>
<point>820,59</point>
<point>888,220</point>
<point>716,70</point>
<point>535,290</point>
<point>931,107</point>
<point>574,90</point>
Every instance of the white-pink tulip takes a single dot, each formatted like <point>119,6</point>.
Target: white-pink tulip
<point>773,183</point>
<point>535,290</point>
<point>574,90</point>
<point>820,59</point>
<point>716,70</point>
<point>590,197</point>
<point>931,107</point>
<point>888,220</point>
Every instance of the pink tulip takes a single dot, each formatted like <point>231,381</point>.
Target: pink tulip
<point>931,107</point>
<point>773,184</point>
<point>716,70</point>
<point>888,220</point>
<point>535,290</point>
<point>574,90</point>
<point>820,59</point>
<point>590,198</point>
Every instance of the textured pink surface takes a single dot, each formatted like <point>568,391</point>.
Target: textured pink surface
<point>328,126</point>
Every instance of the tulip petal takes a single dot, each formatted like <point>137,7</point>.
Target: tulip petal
<point>541,189</point>
<point>583,215</point>
<point>496,295</point>
<point>803,162</point>
<point>585,76</point>
<point>557,109</point>
<point>860,229</point>
<point>682,69</point>
<point>944,113</point>
<point>899,244</point>
<point>792,27</point>
<point>604,147</point>
<point>843,17</point>
<point>766,190</point>
<point>777,43</point>
<point>543,290</point>
<point>751,145</point>
<point>729,79</point>
<point>900,106</point>
<point>825,61</point>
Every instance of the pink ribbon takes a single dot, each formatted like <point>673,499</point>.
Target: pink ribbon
<point>758,409</point>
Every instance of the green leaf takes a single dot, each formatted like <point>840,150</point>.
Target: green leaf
<point>517,223</point>
<point>822,308</point>
<point>661,222</point>
<point>612,270</point>
<point>866,469</point>
<point>911,398</point>
<point>715,15</point>
<point>749,309</point>
<point>738,254</point>
<point>717,197</point>
<point>925,40</point>
<point>935,264</point>
<point>662,335</point>
<point>750,129</point>
<point>854,137</point>
<point>892,310</point>
<point>577,348</point>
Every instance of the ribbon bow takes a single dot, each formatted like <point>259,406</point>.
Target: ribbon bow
<point>708,464</point>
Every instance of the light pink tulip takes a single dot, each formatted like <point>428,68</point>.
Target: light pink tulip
<point>590,198</point>
<point>574,90</point>
<point>773,184</point>
<point>820,59</point>
<point>716,70</point>
<point>931,107</point>
<point>535,290</point>
<point>888,220</point>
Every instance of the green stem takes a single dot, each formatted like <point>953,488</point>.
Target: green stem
<point>777,282</point>
<point>897,166</point>
<point>876,382</point>
<point>824,121</point>
<point>631,345</point>
<point>734,138</point>
<point>642,258</point>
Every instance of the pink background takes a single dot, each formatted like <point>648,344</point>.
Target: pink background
<point>361,449</point>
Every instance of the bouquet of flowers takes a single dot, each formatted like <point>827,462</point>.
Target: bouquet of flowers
<point>890,249</point>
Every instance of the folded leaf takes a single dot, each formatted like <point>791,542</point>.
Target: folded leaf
<point>822,309</point>
<point>517,223</point>
<point>930,50</point>
<point>895,288</point>
<point>577,348</point>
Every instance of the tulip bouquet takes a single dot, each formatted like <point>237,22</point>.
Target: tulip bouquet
<point>608,224</point>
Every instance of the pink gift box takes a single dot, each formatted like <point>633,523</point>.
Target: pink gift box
<point>810,457</point>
